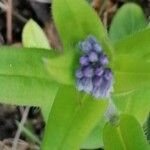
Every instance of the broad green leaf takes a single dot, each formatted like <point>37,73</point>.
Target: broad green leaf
<point>27,91</point>
<point>128,20</point>
<point>24,79</point>
<point>62,68</point>
<point>127,135</point>
<point>136,44</point>
<point>130,73</point>
<point>24,62</point>
<point>72,117</point>
<point>135,103</point>
<point>95,139</point>
<point>75,20</point>
<point>33,36</point>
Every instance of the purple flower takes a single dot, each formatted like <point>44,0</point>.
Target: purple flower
<point>84,60</point>
<point>99,71</point>
<point>93,76</point>
<point>105,88</point>
<point>88,72</point>
<point>79,73</point>
<point>96,92</point>
<point>91,39</point>
<point>85,46</point>
<point>103,59</point>
<point>108,74</point>
<point>80,85</point>
<point>88,85</point>
<point>93,57</point>
<point>97,47</point>
<point>97,81</point>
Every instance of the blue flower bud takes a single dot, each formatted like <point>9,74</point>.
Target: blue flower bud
<point>79,73</point>
<point>84,60</point>
<point>108,74</point>
<point>85,46</point>
<point>79,85</point>
<point>88,72</point>
<point>97,81</point>
<point>93,76</point>
<point>105,88</point>
<point>99,71</point>
<point>88,86</point>
<point>92,39</point>
<point>93,57</point>
<point>97,48</point>
<point>103,59</point>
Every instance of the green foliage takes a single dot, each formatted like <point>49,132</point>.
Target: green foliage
<point>135,103</point>
<point>33,77</point>
<point>62,68</point>
<point>137,44</point>
<point>126,135</point>
<point>24,80</point>
<point>76,20</point>
<point>94,140</point>
<point>72,117</point>
<point>33,36</point>
<point>130,73</point>
<point>128,20</point>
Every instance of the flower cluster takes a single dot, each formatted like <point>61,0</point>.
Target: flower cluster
<point>94,76</point>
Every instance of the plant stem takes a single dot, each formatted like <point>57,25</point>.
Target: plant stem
<point>18,133</point>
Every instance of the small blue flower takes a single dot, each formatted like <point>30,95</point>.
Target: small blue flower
<point>85,46</point>
<point>93,76</point>
<point>97,81</point>
<point>97,48</point>
<point>103,59</point>
<point>99,71</point>
<point>84,60</point>
<point>91,39</point>
<point>80,85</point>
<point>93,57</point>
<point>79,73</point>
<point>88,85</point>
<point>88,72</point>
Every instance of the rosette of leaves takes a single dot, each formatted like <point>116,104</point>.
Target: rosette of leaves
<point>42,77</point>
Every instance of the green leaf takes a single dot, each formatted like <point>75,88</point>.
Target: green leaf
<point>33,36</point>
<point>137,44</point>
<point>135,103</point>
<point>24,79</point>
<point>75,20</point>
<point>130,73</point>
<point>24,62</point>
<point>127,135</point>
<point>95,138</point>
<point>27,91</point>
<point>62,68</point>
<point>72,118</point>
<point>128,20</point>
